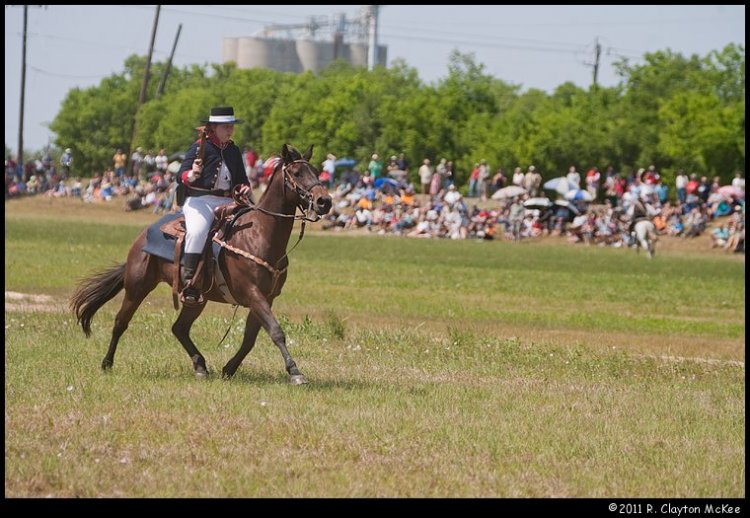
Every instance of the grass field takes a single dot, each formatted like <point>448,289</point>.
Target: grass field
<point>436,368</point>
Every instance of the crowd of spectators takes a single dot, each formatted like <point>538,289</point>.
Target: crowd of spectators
<point>384,201</point>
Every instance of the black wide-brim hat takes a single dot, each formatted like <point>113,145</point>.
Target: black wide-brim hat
<point>222,115</point>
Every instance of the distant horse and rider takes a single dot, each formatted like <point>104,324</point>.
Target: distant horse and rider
<point>249,267</point>
<point>645,236</point>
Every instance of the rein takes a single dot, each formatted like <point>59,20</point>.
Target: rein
<point>302,193</point>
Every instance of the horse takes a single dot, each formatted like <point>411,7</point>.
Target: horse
<point>645,236</point>
<point>253,262</point>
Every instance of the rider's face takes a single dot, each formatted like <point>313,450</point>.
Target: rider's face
<point>224,132</point>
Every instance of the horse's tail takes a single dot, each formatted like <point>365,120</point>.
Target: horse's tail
<point>92,293</point>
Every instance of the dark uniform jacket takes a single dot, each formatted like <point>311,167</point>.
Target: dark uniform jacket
<point>213,156</point>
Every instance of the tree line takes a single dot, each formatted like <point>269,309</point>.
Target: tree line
<point>670,110</point>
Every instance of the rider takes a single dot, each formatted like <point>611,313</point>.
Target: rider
<point>637,212</point>
<point>209,180</point>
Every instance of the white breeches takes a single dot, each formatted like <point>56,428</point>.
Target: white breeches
<point>199,215</point>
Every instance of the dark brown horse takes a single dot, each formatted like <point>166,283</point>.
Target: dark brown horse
<point>259,236</point>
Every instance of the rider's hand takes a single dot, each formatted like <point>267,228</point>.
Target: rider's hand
<point>245,190</point>
<point>196,171</point>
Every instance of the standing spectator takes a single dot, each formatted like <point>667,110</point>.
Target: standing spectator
<point>376,167</point>
<point>148,166</point>
<point>593,176</point>
<point>518,176</point>
<point>329,170</point>
<point>435,184</point>
<point>704,189</point>
<point>662,191</point>
<point>251,157</point>
<point>66,161</point>
<point>118,161</point>
<point>474,182</point>
<point>680,183</point>
<point>450,176</point>
<point>162,161</point>
<point>425,175</point>
<point>135,162</point>
<point>402,163</point>
<point>442,170</point>
<point>484,179</point>
<point>692,185</point>
<point>574,177</point>
<point>516,218</point>
<point>532,181</point>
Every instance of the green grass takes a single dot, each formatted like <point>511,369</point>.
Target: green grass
<point>436,369</point>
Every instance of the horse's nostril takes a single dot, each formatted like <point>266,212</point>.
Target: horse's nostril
<point>324,205</point>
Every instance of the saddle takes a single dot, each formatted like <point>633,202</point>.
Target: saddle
<point>223,218</point>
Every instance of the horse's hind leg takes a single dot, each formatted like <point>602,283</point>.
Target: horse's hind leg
<point>252,326</point>
<point>181,330</point>
<point>140,280</point>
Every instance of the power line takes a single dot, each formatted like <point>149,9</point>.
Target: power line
<point>55,74</point>
<point>481,44</point>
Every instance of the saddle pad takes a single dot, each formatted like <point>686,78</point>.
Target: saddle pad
<point>158,243</point>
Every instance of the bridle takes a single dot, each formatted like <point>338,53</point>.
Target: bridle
<point>303,194</point>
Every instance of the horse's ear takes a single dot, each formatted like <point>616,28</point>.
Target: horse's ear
<point>286,155</point>
<point>308,154</point>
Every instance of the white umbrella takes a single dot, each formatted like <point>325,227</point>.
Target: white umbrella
<point>508,192</point>
<point>536,203</point>
<point>560,184</point>
<point>579,194</point>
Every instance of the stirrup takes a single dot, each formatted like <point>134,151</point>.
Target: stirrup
<point>191,296</point>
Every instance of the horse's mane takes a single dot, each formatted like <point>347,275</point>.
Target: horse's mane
<point>276,168</point>
<point>279,164</point>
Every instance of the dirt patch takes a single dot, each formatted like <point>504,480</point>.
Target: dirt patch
<point>29,303</point>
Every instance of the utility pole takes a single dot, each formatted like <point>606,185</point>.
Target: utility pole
<point>163,83</point>
<point>147,71</point>
<point>598,51</point>
<point>19,160</point>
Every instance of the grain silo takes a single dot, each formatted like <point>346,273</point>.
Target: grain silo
<point>276,54</point>
<point>310,50</point>
<point>229,50</point>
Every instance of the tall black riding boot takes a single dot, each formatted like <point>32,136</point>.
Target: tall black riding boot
<point>191,295</point>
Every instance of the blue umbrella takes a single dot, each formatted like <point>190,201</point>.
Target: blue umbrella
<point>380,182</point>
<point>345,162</point>
<point>578,194</point>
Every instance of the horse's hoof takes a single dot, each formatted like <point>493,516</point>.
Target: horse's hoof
<point>297,379</point>
<point>201,374</point>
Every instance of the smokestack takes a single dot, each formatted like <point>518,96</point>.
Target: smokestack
<point>372,50</point>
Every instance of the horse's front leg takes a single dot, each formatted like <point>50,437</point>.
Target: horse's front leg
<point>262,309</point>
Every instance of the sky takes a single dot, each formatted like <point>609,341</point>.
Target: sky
<point>533,46</point>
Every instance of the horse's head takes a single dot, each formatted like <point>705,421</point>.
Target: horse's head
<point>302,179</point>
